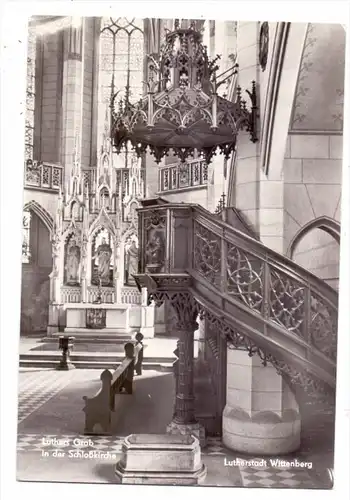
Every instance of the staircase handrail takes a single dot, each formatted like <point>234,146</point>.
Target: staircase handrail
<point>258,249</point>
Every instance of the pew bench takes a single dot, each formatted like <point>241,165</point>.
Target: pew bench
<point>98,409</point>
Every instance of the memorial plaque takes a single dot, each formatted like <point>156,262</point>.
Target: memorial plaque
<point>96,318</point>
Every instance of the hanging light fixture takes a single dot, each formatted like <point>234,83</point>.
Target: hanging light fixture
<point>182,111</point>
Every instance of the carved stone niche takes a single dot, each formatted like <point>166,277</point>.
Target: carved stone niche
<point>264,45</point>
<point>152,224</point>
<point>102,258</point>
<point>72,260</point>
<point>154,240</point>
<point>156,251</point>
<point>130,207</point>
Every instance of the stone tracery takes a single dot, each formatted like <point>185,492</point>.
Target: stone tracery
<point>95,235</point>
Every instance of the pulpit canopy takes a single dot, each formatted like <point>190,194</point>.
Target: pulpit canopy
<point>182,111</point>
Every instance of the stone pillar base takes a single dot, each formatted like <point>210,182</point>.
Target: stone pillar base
<point>52,329</point>
<point>65,366</point>
<point>196,429</point>
<point>159,329</point>
<point>54,319</point>
<point>264,434</point>
<point>147,321</point>
<point>147,332</point>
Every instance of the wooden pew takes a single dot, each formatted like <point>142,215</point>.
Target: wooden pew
<point>98,409</point>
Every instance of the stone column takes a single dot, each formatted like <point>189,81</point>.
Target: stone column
<point>184,421</point>
<point>73,69</point>
<point>55,290</point>
<point>159,320</point>
<point>83,285</point>
<point>247,168</point>
<point>261,415</point>
<point>184,401</point>
<point>118,274</point>
<point>84,264</point>
<point>201,339</point>
<point>147,316</point>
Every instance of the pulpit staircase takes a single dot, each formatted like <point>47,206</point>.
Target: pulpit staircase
<point>258,299</point>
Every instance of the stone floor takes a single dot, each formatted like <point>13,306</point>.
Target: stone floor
<point>50,406</point>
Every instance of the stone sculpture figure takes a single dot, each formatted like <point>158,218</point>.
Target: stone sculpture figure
<point>131,263</point>
<point>72,263</point>
<point>103,254</point>
<point>155,253</point>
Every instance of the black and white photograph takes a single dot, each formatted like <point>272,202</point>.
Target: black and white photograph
<point>181,251</point>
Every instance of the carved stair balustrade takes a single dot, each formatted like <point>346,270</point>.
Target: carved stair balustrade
<point>269,288</point>
<point>296,378</point>
<point>283,313</point>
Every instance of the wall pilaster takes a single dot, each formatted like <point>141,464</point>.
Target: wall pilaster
<point>73,67</point>
<point>247,175</point>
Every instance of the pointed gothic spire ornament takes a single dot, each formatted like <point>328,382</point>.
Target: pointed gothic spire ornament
<point>75,184</point>
<point>182,111</point>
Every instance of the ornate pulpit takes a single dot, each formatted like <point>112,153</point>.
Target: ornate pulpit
<point>165,236</point>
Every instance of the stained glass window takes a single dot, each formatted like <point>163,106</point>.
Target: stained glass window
<point>121,57</point>
<point>30,95</point>
<point>121,65</point>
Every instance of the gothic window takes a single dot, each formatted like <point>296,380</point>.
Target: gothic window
<point>30,95</point>
<point>121,66</point>
<point>121,58</point>
<point>26,238</point>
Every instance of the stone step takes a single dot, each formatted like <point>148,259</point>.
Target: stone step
<point>90,357</point>
<point>92,364</point>
<point>103,337</point>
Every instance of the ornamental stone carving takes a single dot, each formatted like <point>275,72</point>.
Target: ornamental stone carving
<point>264,45</point>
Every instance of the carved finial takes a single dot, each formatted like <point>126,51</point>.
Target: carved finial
<point>239,94</point>
<point>106,124</point>
<point>75,181</point>
<point>86,190</point>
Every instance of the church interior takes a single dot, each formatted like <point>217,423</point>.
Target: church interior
<point>182,193</point>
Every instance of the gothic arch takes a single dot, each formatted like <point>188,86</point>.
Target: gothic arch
<point>129,233</point>
<point>280,96</point>
<point>327,224</point>
<point>71,231</point>
<point>103,221</point>
<point>43,214</point>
